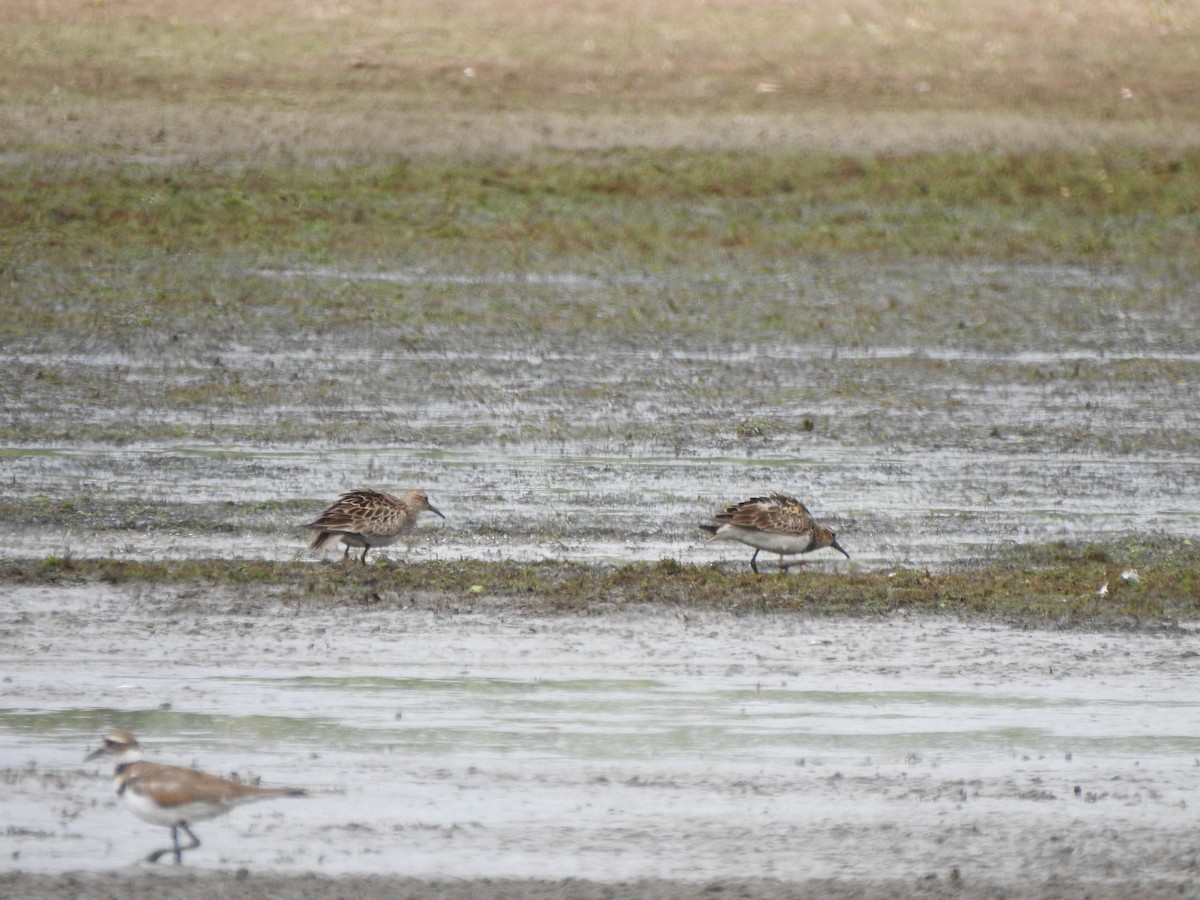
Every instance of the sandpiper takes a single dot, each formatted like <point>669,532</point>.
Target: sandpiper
<point>778,523</point>
<point>172,796</point>
<point>368,519</point>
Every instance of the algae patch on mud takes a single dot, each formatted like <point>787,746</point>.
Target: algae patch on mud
<point>1130,584</point>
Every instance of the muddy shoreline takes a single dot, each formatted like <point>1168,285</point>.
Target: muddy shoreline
<point>136,885</point>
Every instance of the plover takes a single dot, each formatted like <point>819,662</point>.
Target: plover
<point>778,524</point>
<point>368,519</point>
<point>172,796</point>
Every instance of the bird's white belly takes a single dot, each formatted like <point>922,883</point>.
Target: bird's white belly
<point>369,540</point>
<point>766,540</point>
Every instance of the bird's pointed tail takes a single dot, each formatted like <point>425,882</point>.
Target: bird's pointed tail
<point>324,539</point>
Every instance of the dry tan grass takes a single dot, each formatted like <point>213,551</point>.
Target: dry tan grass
<point>367,77</point>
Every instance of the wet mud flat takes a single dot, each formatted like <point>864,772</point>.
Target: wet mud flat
<point>644,752</point>
<point>927,446</point>
<point>454,747</point>
<point>193,886</point>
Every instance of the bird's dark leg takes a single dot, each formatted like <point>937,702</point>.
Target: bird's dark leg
<point>754,563</point>
<point>783,564</point>
<point>363,559</point>
<point>154,857</point>
<point>192,846</point>
<point>345,552</point>
<point>175,848</point>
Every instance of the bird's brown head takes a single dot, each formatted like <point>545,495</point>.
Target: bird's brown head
<point>824,536</point>
<point>118,743</point>
<point>420,500</point>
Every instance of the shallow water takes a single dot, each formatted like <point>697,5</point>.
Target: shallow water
<point>646,744</point>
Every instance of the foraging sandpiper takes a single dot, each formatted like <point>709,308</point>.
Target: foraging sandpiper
<point>368,519</point>
<point>778,523</point>
<point>172,796</point>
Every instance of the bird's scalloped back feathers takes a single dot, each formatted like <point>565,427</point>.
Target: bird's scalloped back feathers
<point>779,513</point>
<point>361,512</point>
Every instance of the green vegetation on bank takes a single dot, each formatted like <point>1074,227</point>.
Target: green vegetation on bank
<point>1147,585</point>
<point>629,210</point>
<point>122,253</point>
